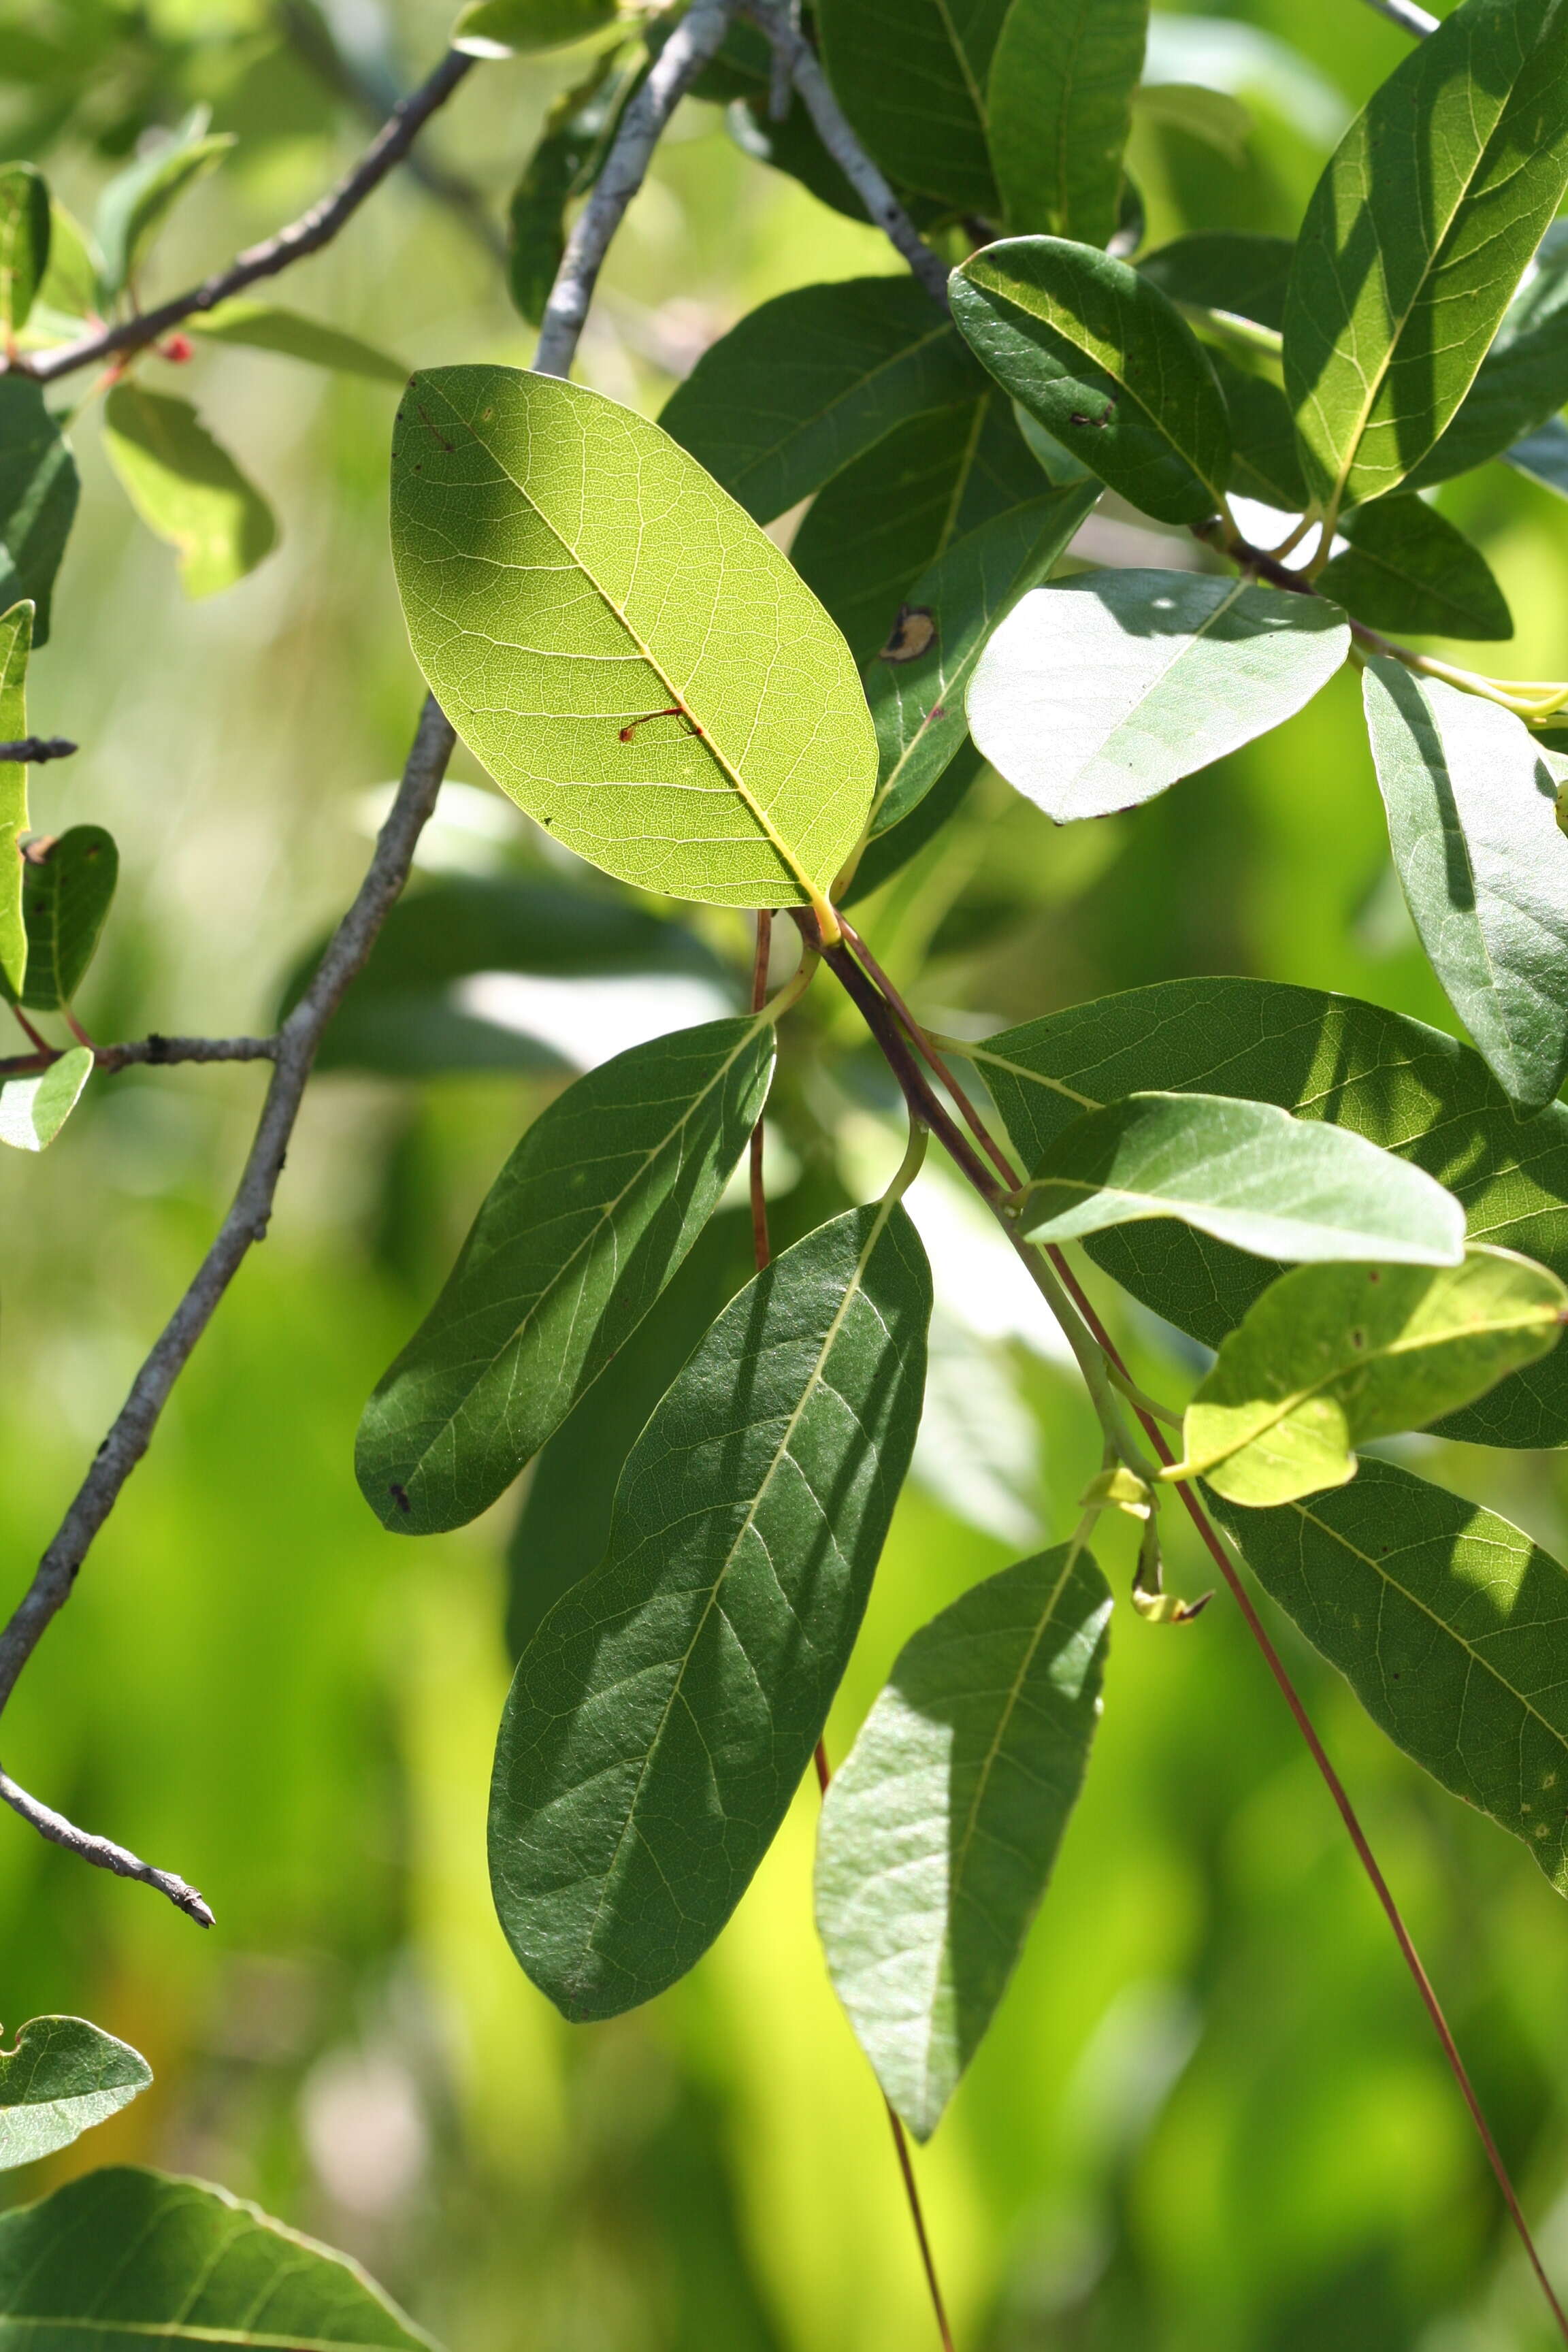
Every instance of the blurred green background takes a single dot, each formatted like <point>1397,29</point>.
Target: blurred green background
<point>1211,2113</point>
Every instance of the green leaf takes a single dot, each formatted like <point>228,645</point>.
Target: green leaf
<point>1224,269</point>
<point>1415,238</point>
<point>917,685</point>
<point>267,327</point>
<point>1099,691</point>
<point>1446,1623</point>
<point>517,28</point>
<point>1522,383</point>
<point>808,382</point>
<point>1543,455</point>
<point>891,851</point>
<point>23,243</point>
<point>1107,364</point>
<point>70,281</point>
<point>1471,803</point>
<point>34,1110</point>
<point>63,2076</point>
<point>38,492</point>
<point>68,888</point>
<point>1247,1173</point>
<point>15,646</point>
<point>633,660</point>
<point>1408,568</point>
<point>1334,1356</point>
<point>941,1826</point>
<point>661,1718</point>
<point>912,77</point>
<point>1395,1081</point>
<point>1212,117</point>
<point>1059,98</point>
<point>576,1238</point>
<point>186,488</point>
<point>1264,462</point>
<point>137,202</point>
<point>794,146</point>
<point>175,2262</point>
<point>566,162</point>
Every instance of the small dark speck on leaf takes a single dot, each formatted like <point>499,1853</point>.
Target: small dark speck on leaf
<point>1358,1339</point>
<point>400,1496</point>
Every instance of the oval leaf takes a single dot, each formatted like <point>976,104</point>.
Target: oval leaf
<point>16,647</point>
<point>1264,462</point>
<point>939,1829</point>
<point>515,28</point>
<point>186,488</point>
<point>1522,383</point>
<point>63,2076</point>
<point>912,78</point>
<point>1248,1173</point>
<point>1098,692</point>
<point>578,1235</point>
<point>1406,567</point>
<point>34,1110</point>
<point>1060,96</point>
<point>1332,1356</point>
<point>1471,803</point>
<point>1108,366</point>
<point>68,888</point>
<point>662,1716</point>
<point>23,243</point>
<point>133,207</point>
<point>634,661</point>
<point>175,2262</point>
<point>267,327</point>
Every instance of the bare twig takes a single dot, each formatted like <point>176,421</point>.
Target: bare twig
<point>158,1051</point>
<point>307,234</point>
<point>103,1851</point>
<point>694,41</point>
<point>1406,15</point>
<point>34,749</point>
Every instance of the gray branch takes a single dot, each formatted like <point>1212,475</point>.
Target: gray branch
<point>307,234</point>
<point>1406,15</point>
<point>158,1051</point>
<point>694,41</point>
<point>103,1851</point>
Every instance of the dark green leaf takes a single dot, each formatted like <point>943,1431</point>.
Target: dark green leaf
<point>511,28</point>
<point>1446,1622</point>
<point>23,243</point>
<point>1471,803</point>
<point>571,150</point>
<point>1059,101</point>
<point>661,1718</point>
<point>912,77</point>
<point>891,851</point>
<point>811,380</point>
<point>1415,238</point>
<point>1224,269</point>
<point>1264,462</point>
<point>266,327</point>
<point>1522,383</point>
<point>1408,568</point>
<point>63,2076</point>
<point>124,2258</point>
<point>34,1110</point>
<point>134,205</point>
<point>941,1824</point>
<point>15,644</point>
<point>793,146</point>
<point>68,888</point>
<point>186,488</point>
<point>1107,364</point>
<point>578,1235</point>
<point>39,491</point>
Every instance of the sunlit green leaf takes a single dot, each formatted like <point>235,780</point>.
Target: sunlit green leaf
<point>1061,82</point>
<point>186,488</point>
<point>137,202</point>
<point>1415,238</point>
<point>70,281</point>
<point>1471,803</point>
<point>628,654</point>
<point>511,28</point>
<point>1099,691</point>
<point>578,1235</point>
<point>1107,364</point>
<point>1522,383</point>
<point>661,1718</point>
<point>62,2077</point>
<point>175,2262</point>
<point>267,327</point>
<point>68,888</point>
<point>23,243</point>
<point>1408,568</point>
<point>1334,1356</point>
<point>38,492</point>
<point>941,1824</point>
<point>1447,1623</point>
<point>34,1110</point>
<point>912,77</point>
<point>15,646</point>
<point>1224,269</point>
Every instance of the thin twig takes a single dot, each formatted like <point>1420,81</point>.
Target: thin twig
<point>34,749</point>
<point>158,1051</point>
<point>308,235</point>
<point>695,40</point>
<point>1406,15</point>
<point>103,1851</point>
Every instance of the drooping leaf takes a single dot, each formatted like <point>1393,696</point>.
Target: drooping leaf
<point>1224,269</point>
<point>891,851</point>
<point>267,327</point>
<point>15,644</point>
<point>1471,797</point>
<point>124,2256</point>
<point>23,243</point>
<point>1522,383</point>
<point>941,1826</point>
<point>186,488</point>
<point>62,2077</point>
<point>516,29</point>
<point>1107,364</point>
<point>912,77</point>
<point>1394,1080</point>
<point>1265,461</point>
<point>68,888</point>
<point>1408,568</point>
<point>1446,1623</point>
<point>34,1110</point>
<point>1099,691</point>
<point>1059,102</point>
<point>634,661</point>
<point>137,202</point>
<point>811,380</point>
<point>38,492</point>
<point>916,686</point>
<point>571,148</point>
<point>578,1235</point>
<point>662,1716</point>
<point>1247,1173</point>
<point>1415,238</point>
<point>1334,1356</point>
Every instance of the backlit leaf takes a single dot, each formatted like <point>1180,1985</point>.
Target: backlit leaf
<point>137,202</point>
<point>578,1235</point>
<point>23,243</point>
<point>15,644</point>
<point>34,1110</point>
<point>512,28</point>
<point>1408,568</point>
<point>912,77</point>
<point>633,660</point>
<point>941,1826</point>
<point>68,888</point>
<point>38,492</point>
<point>1061,82</point>
<point>186,488</point>
<point>70,281</point>
<point>267,327</point>
<point>62,2077</point>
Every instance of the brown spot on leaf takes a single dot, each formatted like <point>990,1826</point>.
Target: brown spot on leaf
<point>914,632</point>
